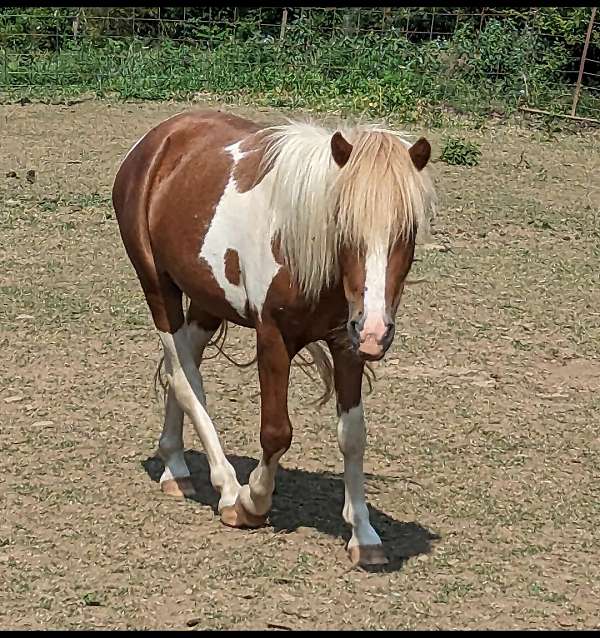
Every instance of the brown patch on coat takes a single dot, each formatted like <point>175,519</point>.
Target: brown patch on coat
<point>233,272</point>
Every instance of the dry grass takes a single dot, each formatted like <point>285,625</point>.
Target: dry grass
<point>483,454</point>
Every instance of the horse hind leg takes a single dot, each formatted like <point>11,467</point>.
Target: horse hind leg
<point>176,480</point>
<point>185,388</point>
<point>185,380</point>
<point>164,299</point>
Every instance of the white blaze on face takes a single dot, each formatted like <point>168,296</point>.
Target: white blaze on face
<point>374,310</point>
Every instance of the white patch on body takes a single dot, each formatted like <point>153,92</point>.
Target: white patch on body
<point>242,222</point>
<point>352,440</point>
<point>186,383</point>
<point>235,151</point>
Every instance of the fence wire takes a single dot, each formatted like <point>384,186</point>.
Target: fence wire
<point>548,65</point>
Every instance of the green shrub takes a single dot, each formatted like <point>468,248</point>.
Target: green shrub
<point>339,59</point>
<point>460,152</point>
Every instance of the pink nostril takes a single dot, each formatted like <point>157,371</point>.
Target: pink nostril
<point>370,345</point>
<point>376,335</point>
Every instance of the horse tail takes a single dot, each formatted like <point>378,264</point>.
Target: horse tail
<point>159,379</point>
<point>320,361</point>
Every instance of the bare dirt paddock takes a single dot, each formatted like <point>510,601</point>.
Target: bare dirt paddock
<point>483,456</point>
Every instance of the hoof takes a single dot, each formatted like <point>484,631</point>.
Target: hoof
<point>367,555</point>
<point>178,487</point>
<point>236,516</point>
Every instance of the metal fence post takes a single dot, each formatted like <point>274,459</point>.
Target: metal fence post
<point>582,63</point>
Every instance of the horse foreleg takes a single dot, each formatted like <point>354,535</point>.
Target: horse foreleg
<point>364,547</point>
<point>255,498</point>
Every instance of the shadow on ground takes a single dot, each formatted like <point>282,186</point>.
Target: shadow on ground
<point>309,499</point>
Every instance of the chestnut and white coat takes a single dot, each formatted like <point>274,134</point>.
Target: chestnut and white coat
<point>303,234</point>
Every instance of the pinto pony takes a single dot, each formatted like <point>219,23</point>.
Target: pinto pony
<point>302,234</point>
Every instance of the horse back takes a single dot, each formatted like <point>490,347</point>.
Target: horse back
<point>197,133</point>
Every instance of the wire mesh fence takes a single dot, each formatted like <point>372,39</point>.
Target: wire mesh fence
<point>365,58</point>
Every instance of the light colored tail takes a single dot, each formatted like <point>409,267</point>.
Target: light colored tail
<point>320,361</point>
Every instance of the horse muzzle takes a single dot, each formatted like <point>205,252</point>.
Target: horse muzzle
<point>371,339</point>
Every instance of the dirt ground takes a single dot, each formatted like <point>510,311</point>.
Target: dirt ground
<point>483,453</point>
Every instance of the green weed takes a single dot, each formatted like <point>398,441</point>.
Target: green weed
<point>460,152</point>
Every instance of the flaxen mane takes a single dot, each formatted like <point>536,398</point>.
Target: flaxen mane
<point>376,198</point>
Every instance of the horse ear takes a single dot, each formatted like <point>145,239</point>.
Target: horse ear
<point>340,149</point>
<point>420,152</point>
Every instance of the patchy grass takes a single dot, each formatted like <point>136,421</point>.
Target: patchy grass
<point>483,452</point>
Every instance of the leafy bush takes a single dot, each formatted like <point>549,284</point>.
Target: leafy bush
<point>460,152</point>
<point>344,59</point>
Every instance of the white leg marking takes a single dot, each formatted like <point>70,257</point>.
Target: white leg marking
<point>352,438</point>
<point>199,338</point>
<point>171,439</point>
<point>186,382</point>
<point>170,444</point>
<point>257,496</point>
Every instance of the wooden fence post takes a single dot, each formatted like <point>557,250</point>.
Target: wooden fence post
<point>582,63</point>
<point>284,18</point>
<point>386,17</point>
